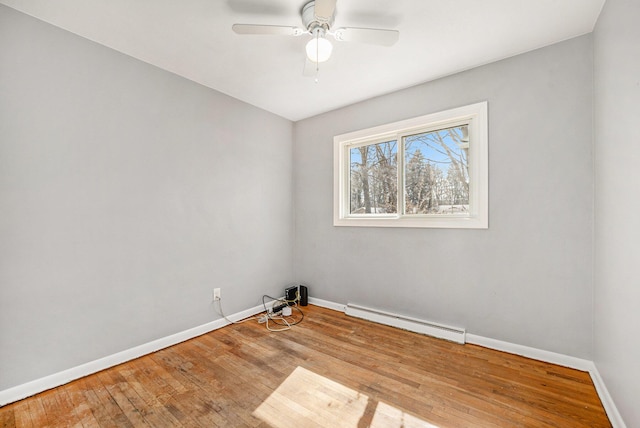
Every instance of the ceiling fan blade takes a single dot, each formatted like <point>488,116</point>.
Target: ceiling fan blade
<point>367,35</point>
<point>277,30</point>
<point>324,10</point>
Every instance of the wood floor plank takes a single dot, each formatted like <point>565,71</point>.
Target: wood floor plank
<point>139,390</point>
<point>58,409</point>
<point>331,370</point>
<point>21,413</point>
<point>201,402</point>
<point>117,390</point>
<point>104,407</point>
<point>7,418</point>
<point>81,406</point>
<point>160,390</point>
<point>224,391</point>
<point>66,408</point>
<point>37,413</point>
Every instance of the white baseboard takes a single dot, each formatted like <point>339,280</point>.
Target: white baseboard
<point>28,389</point>
<point>327,304</point>
<point>453,334</point>
<point>534,353</point>
<point>607,402</point>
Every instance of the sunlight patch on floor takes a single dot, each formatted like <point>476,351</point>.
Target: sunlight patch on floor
<point>306,399</point>
<point>387,416</point>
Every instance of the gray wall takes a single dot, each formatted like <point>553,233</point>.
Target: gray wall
<point>617,222</point>
<point>527,279</point>
<point>126,195</point>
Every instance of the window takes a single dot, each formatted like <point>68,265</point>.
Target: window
<point>430,171</point>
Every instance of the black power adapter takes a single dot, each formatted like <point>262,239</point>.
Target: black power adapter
<point>278,308</point>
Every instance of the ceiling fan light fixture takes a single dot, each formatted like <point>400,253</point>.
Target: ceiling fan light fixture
<point>319,49</point>
<point>318,17</point>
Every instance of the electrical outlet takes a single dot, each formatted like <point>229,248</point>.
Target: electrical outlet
<point>216,294</point>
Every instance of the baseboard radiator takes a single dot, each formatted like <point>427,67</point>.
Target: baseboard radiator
<point>453,334</point>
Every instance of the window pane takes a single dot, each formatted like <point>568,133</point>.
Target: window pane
<point>436,177</point>
<point>373,180</point>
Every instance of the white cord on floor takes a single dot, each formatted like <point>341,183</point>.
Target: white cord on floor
<point>288,327</point>
<point>267,318</point>
<point>232,322</point>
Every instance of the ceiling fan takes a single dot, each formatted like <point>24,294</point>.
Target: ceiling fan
<point>317,19</point>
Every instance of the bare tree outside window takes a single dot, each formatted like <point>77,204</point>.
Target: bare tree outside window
<point>374,178</point>
<point>436,172</point>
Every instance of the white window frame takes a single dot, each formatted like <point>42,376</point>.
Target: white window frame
<point>475,115</point>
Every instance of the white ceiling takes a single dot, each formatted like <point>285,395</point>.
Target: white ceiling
<point>193,38</point>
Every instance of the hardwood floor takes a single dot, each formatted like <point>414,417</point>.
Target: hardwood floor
<point>329,371</point>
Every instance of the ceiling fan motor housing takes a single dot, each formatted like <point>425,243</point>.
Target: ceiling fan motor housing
<point>311,21</point>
